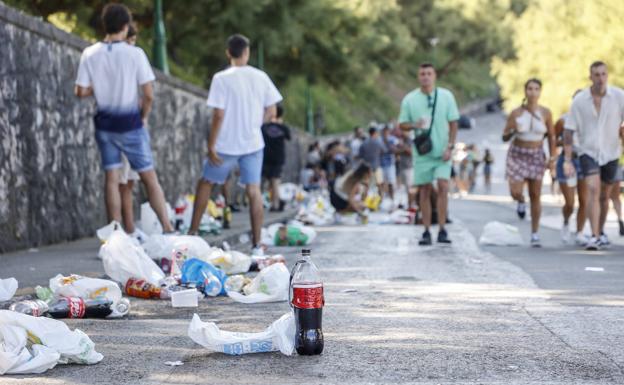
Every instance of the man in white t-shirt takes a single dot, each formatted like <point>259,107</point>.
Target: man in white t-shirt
<point>112,71</point>
<point>596,117</point>
<point>242,98</point>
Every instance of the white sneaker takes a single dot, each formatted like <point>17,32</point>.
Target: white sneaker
<point>565,233</point>
<point>535,240</point>
<point>257,251</point>
<point>581,239</point>
<point>603,240</point>
<point>592,244</point>
<point>139,235</point>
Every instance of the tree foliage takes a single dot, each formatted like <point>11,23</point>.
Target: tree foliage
<point>556,41</point>
<point>350,51</point>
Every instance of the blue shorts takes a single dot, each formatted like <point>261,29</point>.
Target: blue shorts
<point>561,178</point>
<point>135,145</point>
<point>250,168</point>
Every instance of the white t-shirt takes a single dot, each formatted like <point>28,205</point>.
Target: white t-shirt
<point>243,93</point>
<point>114,71</point>
<point>598,133</point>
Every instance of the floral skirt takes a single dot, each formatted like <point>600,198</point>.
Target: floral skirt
<point>525,163</point>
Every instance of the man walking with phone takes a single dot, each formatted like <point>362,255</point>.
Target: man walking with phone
<point>431,112</point>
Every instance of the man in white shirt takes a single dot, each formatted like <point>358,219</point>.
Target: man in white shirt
<point>242,98</point>
<point>596,117</point>
<point>112,71</point>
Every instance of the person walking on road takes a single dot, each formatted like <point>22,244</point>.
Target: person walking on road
<point>432,113</point>
<point>568,189</point>
<point>275,134</point>
<point>370,152</point>
<point>388,161</point>
<point>596,118</point>
<point>527,125</point>
<point>112,71</point>
<point>242,98</point>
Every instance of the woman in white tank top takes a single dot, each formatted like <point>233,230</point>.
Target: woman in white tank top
<point>527,126</point>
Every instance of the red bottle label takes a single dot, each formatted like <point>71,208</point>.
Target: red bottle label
<point>308,296</point>
<point>76,307</point>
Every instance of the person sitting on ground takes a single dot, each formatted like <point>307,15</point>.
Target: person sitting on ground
<point>345,193</point>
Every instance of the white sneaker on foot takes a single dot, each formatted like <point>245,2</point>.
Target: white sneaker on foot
<point>565,233</point>
<point>603,240</point>
<point>592,244</point>
<point>581,239</point>
<point>257,251</point>
<point>535,240</point>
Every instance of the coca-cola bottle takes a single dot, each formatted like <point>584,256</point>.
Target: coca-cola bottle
<point>35,308</point>
<point>75,307</point>
<point>307,302</point>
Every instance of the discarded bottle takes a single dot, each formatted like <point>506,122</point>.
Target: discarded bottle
<point>140,288</point>
<point>227,217</point>
<point>307,302</point>
<point>35,308</point>
<point>75,307</point>
<point>180,207</point>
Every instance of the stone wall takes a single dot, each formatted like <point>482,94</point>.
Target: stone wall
<point>51,183</point>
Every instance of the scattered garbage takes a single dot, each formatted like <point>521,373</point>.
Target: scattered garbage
<point>123,259</point>
<point>149,222</point>
<point>307,303</point>
<point>8,287</point>
<point>295,233</point>
<point>500,234</point>
<point>259,263</point>
<point>270,285</point>
<point>280,336</point>
<point>231,262</point>
<point>160,246</point>
<point>316,210</point>
<point>88,288</point>
<point>209,279</point>
<point>32,345</point>
<point>140,288</point>
<point>35,308</point>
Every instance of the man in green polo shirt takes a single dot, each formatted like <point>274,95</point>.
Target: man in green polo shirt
<point>416,115</point>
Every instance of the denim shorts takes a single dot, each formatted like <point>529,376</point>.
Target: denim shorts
<point>250,168</point>
<point>608,172</point>
<point>135,145</point>
<point>561,178</point>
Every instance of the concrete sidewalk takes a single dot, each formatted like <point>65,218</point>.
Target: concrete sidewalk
<point>36,266</point>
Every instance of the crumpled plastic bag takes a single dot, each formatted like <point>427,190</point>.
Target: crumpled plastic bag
<point>123,259</point>
<point>149,220</point>
<point>159,246</point>
<point>35,344</point>
<point>8,287</point>
<point>270,285</point>
<point>280,336</point>
<point>500,234</point>
<point>268,235</point>
<point>90,288</point>
<point>231,262</point>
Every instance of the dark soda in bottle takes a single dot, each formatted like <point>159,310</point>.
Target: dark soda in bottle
<point>75,307</point>
<point>307,302</point>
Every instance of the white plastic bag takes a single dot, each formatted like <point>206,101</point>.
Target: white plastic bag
<point>279,336</point>
<point>270,285</point>
<point>149,220</point>
<point>104,232</point>
<point>8,287</point>
<point>500,234</point>
<point>231,262</point>
<point>160,246</point>
<point>90,288</point>
<point>123,259</point>
<point>50,341</point>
